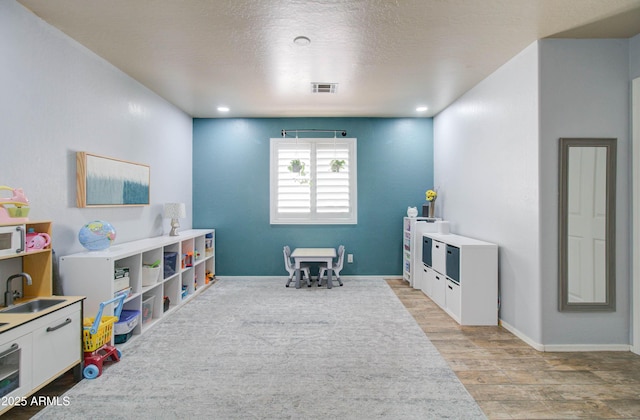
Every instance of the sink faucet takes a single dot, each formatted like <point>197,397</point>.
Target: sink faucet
<point>8,296</point>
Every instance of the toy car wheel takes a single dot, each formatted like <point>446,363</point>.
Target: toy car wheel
<point>119,353</point>
<point>91,371</point>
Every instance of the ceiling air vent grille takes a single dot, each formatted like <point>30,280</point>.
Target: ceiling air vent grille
<point>324,87</point>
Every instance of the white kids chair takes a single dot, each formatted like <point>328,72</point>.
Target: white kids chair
<point>336,267</point>
<point>291,268</point>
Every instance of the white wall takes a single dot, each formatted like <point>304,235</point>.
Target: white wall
<point>496,162</point>
<point>634,71</point>
<point>57,98</point>
<point>584,92</point>
<point>634,57</point>
<point>486,167</point>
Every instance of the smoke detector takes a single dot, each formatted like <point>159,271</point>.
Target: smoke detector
<point>324,87</point>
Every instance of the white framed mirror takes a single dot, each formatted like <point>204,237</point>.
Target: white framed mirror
<point>586,237</point>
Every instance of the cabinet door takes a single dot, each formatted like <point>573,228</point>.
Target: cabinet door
<point>15,368</point>
<point>453,299</point>
<point>438,292</point>
<point>439,257</point>
<point>56,345</point>
<point>428,280</point>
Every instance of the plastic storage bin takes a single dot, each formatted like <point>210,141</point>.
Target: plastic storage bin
<point>170,261</point>
<point>122,338</point>
<point>150,275</point>
<point>128,321</point>
<point>147,309</point>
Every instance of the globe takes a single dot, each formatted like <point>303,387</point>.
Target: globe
<point>97,235</point>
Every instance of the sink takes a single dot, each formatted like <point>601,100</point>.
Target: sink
<point>32,306</point>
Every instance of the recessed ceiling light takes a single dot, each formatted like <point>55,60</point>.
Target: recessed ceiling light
<point>223,109</point>
<point>421,108</point>
<point>301,41</point>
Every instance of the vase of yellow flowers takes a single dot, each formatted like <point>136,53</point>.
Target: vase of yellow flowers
<point>431,196</point>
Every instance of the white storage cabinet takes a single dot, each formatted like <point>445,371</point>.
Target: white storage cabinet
<point>45,348</point>
<point>461,276</point>
<point>91,273</point>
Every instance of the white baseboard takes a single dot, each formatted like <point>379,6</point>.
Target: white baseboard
<point>563,347</point>
<point>587,347</point>
<point>520,335</point>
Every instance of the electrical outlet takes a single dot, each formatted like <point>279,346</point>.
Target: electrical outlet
<point>349,258</point>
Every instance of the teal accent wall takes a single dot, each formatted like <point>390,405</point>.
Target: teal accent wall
<point>231,191</point>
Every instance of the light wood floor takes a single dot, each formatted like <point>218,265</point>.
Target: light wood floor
<point>508,378</point>
<point>511,380</point>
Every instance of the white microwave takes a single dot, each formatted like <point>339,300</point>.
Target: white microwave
<point>12,240</point>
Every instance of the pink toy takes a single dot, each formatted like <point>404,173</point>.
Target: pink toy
<point>15,208</point>
<point>19,197</point>
<point>37,241</point>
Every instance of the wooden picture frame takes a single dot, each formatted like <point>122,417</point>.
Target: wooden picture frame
<point>575,182</point>
<point>107,182</point>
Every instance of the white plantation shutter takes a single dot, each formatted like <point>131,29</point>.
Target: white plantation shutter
<point>294,193</point>
<point>332,194</point>
<point>317,195</point>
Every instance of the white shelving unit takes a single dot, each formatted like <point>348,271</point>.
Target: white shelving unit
<point>412,230</point>
<point>460,274</point>
<point>91,273</point>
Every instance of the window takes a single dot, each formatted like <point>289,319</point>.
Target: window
<point>317,193</point>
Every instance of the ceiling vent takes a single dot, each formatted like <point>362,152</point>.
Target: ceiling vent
<point>324,87</point>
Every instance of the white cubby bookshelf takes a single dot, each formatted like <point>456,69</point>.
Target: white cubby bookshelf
<point>91,273</point>
<point>413,228</point>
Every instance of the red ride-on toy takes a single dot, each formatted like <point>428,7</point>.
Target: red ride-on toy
<point>96,340</point>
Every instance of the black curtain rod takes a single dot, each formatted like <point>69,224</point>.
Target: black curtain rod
<point>313,130</point>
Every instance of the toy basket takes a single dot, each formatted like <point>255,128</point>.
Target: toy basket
<point>92,342</point>
<point>96,332</point>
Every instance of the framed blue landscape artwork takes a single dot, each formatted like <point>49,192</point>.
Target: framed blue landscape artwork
<point>103,182</point>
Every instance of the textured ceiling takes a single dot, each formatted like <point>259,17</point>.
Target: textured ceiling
<point>387,57</point>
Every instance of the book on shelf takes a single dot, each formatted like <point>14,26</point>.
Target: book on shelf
<point>121,278</point>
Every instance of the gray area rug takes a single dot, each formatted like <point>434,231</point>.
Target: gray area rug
<point>253,349</point>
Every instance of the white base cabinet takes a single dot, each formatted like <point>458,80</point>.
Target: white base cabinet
<point>187,264</point>
<point>460,275</point>
<point>56,343</point>
<point>16,355</point>
<point>37,352</point>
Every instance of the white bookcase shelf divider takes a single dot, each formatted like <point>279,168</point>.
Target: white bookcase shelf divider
<point>412,230</point>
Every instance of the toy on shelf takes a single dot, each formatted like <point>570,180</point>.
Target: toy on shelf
<point>187,259</point>
<point>36,241</point>
<point>14,208</point>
